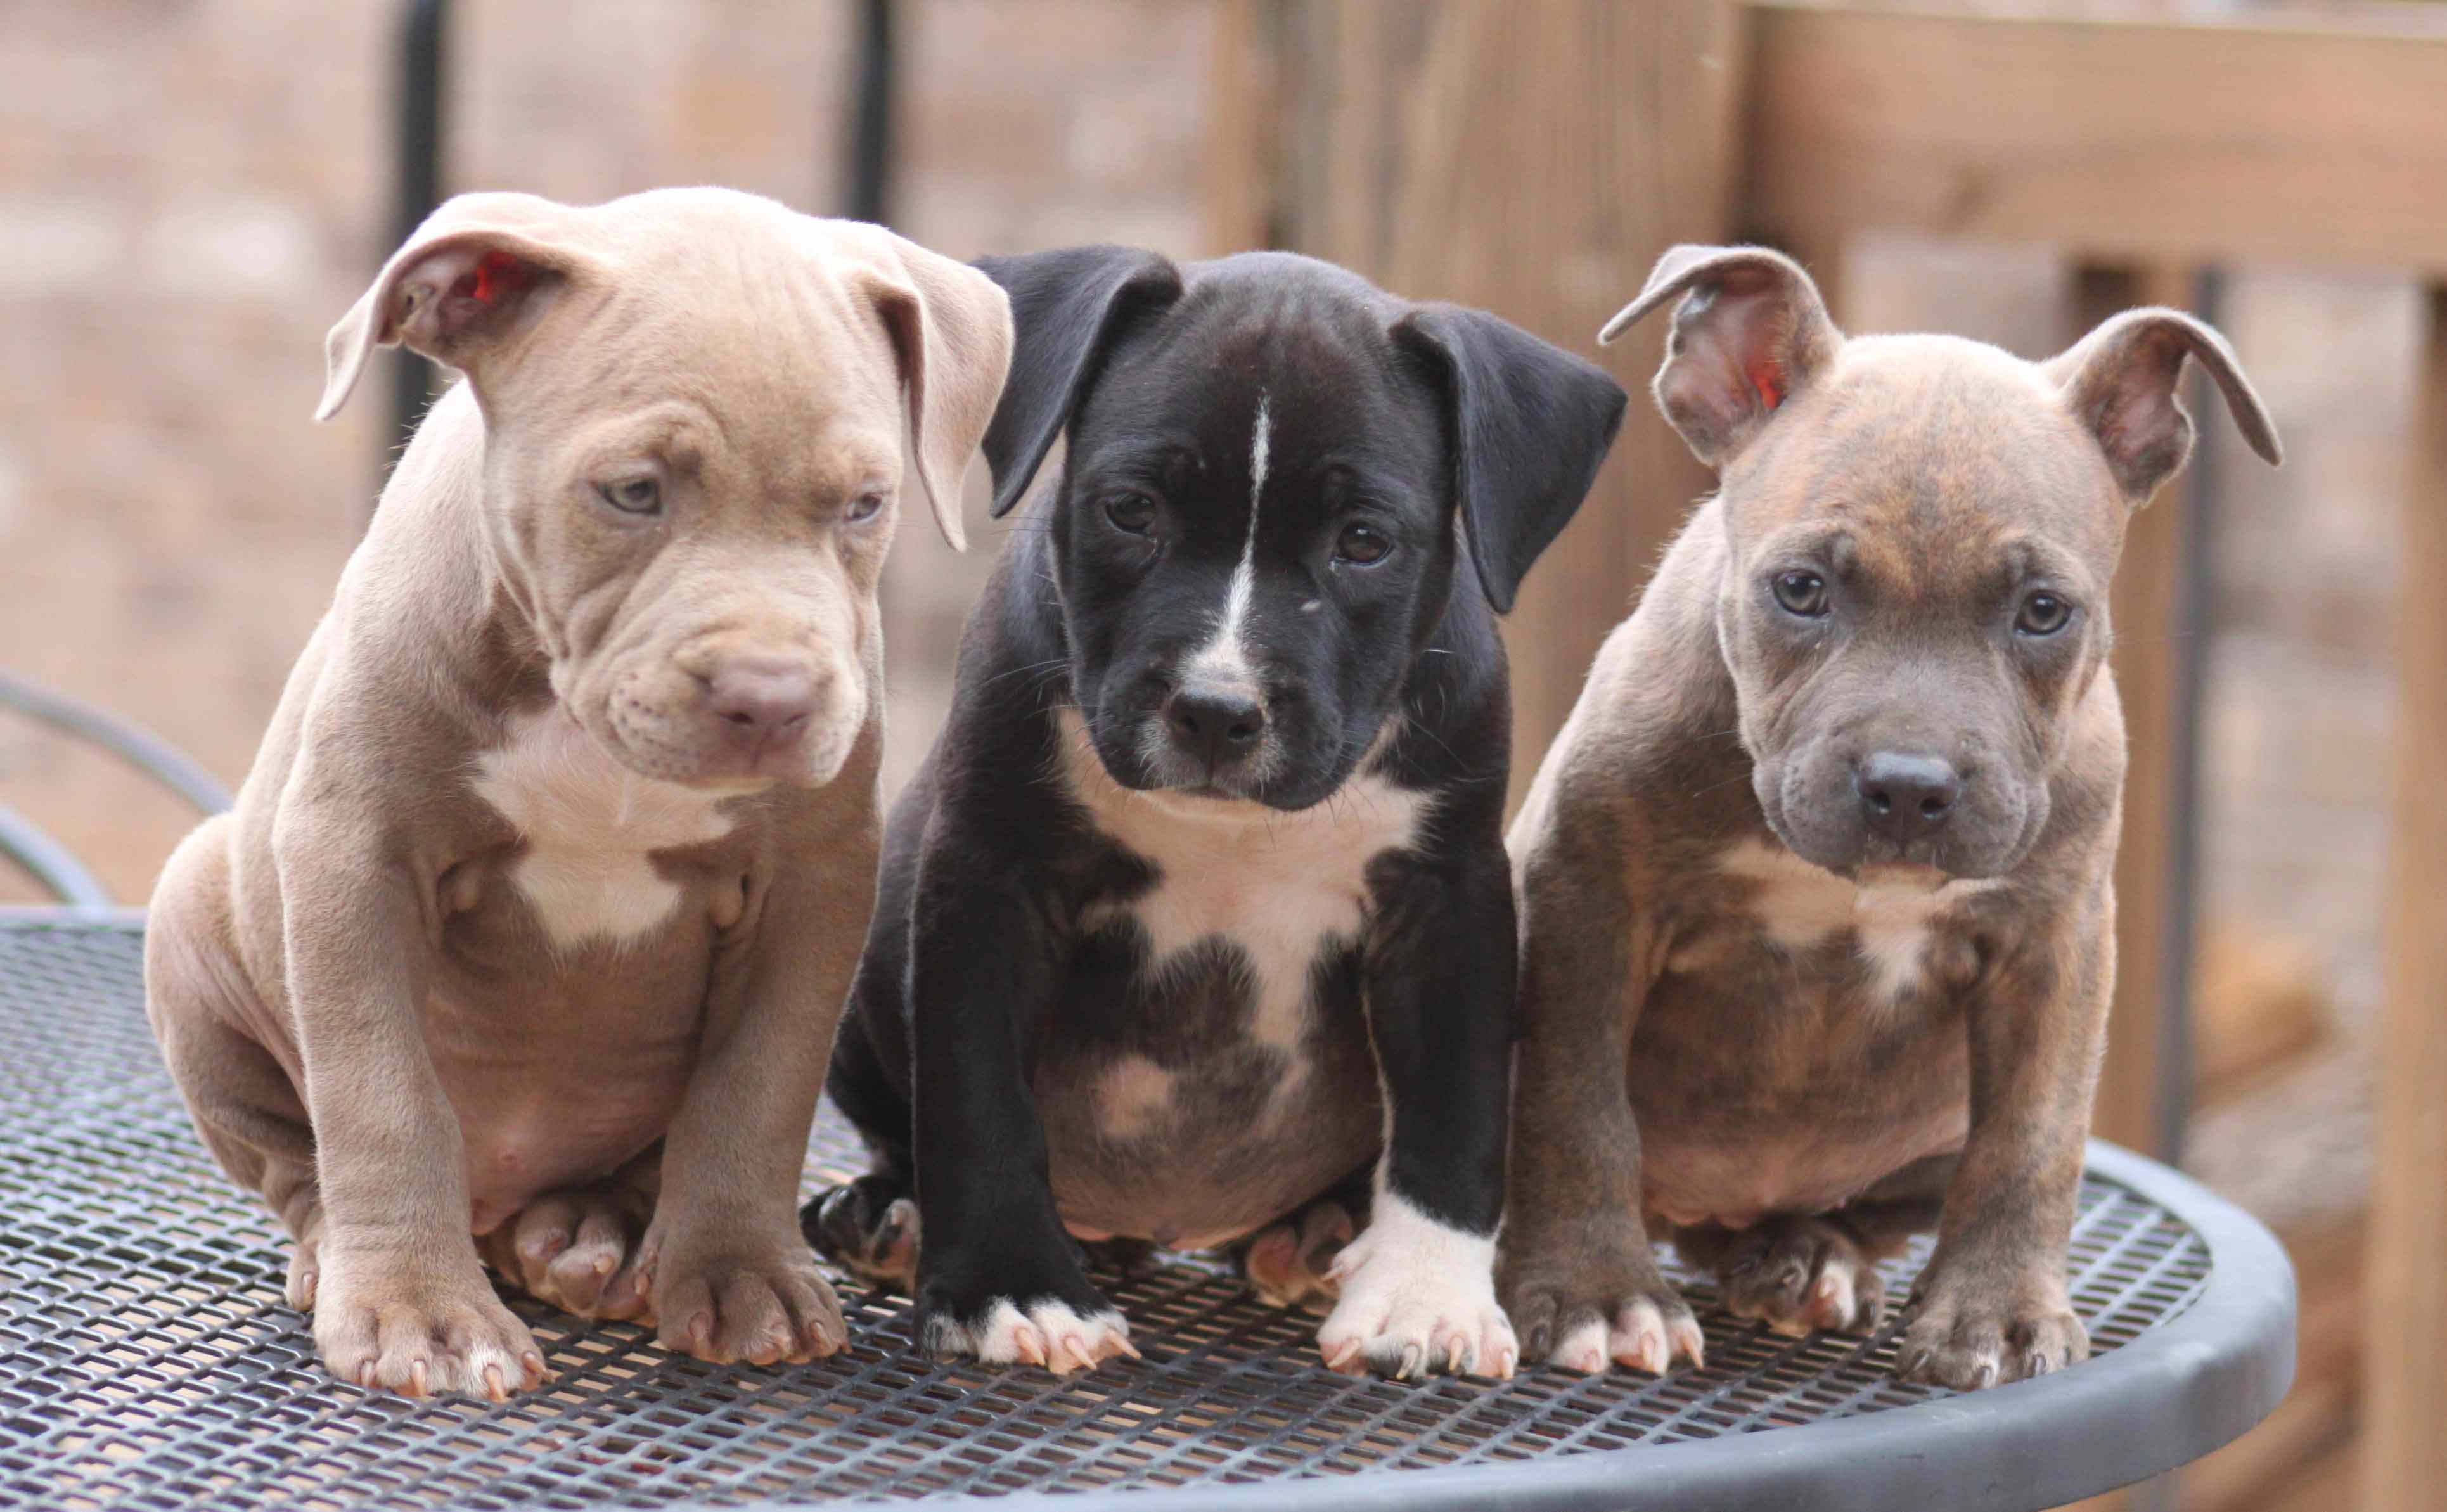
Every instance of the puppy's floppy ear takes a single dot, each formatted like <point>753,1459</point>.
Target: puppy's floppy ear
<point>474,273</point>
<point>951,332</point>
<point>1530,423</point>
<point>2120,381</point>
<point>1066,307</point>
<point>1750,330</point>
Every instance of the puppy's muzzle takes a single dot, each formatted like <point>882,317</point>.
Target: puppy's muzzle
<point>1906,796</point>
<point>1217,728</point>
<point>761,703</point>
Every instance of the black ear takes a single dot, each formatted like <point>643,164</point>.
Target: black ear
<point>1530,423</point>
<point>1066,307</point>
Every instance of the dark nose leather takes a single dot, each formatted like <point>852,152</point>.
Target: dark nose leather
<point>1213,725</point>
<point>1906,796</point>
<point>762,698</point>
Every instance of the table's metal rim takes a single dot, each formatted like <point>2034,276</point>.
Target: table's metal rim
<point>2166,1398</point>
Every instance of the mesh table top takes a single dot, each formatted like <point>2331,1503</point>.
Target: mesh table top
<point>147,1360</point>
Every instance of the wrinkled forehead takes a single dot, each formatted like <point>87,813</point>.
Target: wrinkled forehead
<point>755,344</point>
<point>1302,384</point>
<point>1933,457</point>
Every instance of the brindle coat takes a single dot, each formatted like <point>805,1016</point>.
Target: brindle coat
<point>1837,1033</point>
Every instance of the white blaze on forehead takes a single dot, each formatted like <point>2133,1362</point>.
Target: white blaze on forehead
<point>1226,658</point>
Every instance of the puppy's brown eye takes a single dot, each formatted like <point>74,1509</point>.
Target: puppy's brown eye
<point>632,495</point>
<point>1362,544</point>
<point>1130,512</point>
<point>864,508</point>
<point>1801,592</point>
<point>2042,613</point>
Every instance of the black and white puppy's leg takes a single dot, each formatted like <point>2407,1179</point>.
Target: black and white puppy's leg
<point>998,1278</point>
<point>1417,1286</point>
<point>869,1226</point>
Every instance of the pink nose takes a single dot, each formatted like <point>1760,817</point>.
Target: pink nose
<point>762,698</point>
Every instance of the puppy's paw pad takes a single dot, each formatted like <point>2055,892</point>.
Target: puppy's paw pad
<point>423,1338</point>
<point>763,1304</point>
<point>1417,1298</point>
<point>1044,1331</point>
<point>868,1227</point>
<point>1291,1264</point>
<point>581,1251</point>
<point>1801,1275</point>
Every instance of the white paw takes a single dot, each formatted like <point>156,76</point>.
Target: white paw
<point>1417,1296</point>
<point>1046,1333</point>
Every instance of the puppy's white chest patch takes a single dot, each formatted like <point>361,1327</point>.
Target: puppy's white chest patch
<point>1798,906</point>
<point>1280,887</point>
<point>591,827</point>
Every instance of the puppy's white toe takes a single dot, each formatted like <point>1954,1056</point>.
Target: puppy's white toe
<point>1418,1298</point>
<point>1046,1331</point>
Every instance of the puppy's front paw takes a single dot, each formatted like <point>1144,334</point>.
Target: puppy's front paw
<point>1798,1275</point>
<point>581,1251</point>
<point>1595,1294</point>
<point>1038,1330</point>
<point>1976,1335</point>
<point>402,1331</point>
<point>1417,1296</point>
<point>761,1300</point>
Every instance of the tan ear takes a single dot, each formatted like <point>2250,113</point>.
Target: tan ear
<point>1750,330</point>
<point>474,273</point>
<point>2120,381</point>
<point>951,332</point>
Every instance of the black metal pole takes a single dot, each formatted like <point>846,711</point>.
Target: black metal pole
<point>416,184</point>
<point>869,195</point>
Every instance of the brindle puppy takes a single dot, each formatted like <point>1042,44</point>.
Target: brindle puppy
<point>1822,856</point>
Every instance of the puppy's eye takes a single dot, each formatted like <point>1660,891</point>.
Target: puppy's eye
<point>2042,613</point>
<point>1130,512</point>
<point>865,507</point>
<point>1362,544</point>
<point>1801,592</point>
<point>642,495</point>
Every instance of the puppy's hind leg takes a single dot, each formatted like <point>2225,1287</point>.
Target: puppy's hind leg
<point>582,1249</point>
<point>1800,1274</point>
<point>237,1093</point>
<point>1289,1264</point>
<point>869,1226</point>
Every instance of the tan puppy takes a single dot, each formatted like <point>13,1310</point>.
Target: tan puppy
<point>538,907</point>
<point>1822,858</point>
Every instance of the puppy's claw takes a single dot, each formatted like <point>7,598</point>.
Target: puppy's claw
<point>494,1386</point>
<point>416,1377</point>
<point>1455,1353</point>
<point>1342,1355</point>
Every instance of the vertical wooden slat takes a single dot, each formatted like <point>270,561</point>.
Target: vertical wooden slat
<point>2404,1457</point>
<point>1533,159</point>
<point>2144,606</point>
<point>1242,110</point>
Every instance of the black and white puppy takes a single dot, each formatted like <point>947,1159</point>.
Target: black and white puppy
<point>1198,912</point>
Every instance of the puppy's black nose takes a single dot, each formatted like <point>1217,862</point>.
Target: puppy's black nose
<point>762,698</point>
<point>1216,726</point>
<point>1905,797</point>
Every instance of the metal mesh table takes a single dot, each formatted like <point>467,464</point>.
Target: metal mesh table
<point>146,1360</point>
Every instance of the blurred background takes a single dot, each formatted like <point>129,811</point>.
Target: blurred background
<point>191,191</point>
